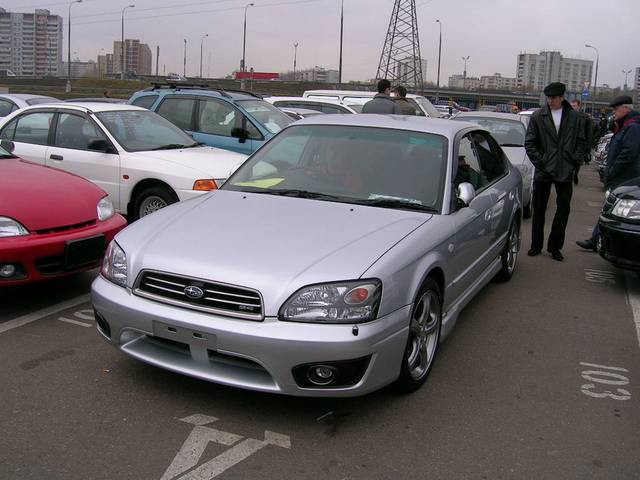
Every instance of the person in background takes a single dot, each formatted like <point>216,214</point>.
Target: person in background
<point>382,102</point>
<point>401,99</point>
<point>515,108</point>
<point>587,126</point>
<point>623,159</point>
<point>555,144</point>
<point>106,94</point>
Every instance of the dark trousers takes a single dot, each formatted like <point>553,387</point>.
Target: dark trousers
<point>541,192</point>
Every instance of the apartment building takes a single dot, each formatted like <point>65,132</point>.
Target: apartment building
<point>31,43</point>
<point>538,70</point>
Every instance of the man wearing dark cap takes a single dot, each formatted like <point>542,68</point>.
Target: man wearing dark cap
<point>555,144</point>
<point>382,102</point>
<point>623,159</point>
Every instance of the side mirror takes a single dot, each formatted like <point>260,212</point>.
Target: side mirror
<point>466,193</point>
<point>240,133</point>
<point>8,145</point>
<point>100,145</point>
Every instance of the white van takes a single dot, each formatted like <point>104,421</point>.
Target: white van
<point>357,98</point>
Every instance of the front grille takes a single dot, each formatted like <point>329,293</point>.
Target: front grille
<point>218,297</point>
<point>66,228</point>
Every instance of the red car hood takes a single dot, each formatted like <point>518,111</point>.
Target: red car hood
<point>41,197</point>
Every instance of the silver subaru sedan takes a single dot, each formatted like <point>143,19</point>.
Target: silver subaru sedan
<point>331,263</point>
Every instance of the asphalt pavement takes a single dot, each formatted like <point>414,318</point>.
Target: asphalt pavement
<point>537,381</point>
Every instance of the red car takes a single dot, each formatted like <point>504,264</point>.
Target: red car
<point>52,223</point>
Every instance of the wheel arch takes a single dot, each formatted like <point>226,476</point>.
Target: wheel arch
<point>144,184</point>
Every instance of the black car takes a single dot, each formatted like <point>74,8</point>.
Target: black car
<point>619,241</point>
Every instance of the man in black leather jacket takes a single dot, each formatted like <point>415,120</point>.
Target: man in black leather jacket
<point>556,144</point>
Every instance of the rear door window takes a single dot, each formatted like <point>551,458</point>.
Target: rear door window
<point>145,101</point>
<point>33,128</point>
<point>6,107</point>
<point>178,111</point>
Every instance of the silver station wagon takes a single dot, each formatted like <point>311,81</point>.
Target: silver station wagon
<point>331,263</point>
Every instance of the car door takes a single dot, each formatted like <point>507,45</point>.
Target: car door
<point>473,222</point>
<point>76,149</point>
<point>30,133</point>
<point>495,165</point>
<point>217,121</point>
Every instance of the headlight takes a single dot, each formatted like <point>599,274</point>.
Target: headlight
<point>344,302</point>
<point>105,209</point>
<point>629,209</point>
<point>11,228</point>
<point>114,265</point>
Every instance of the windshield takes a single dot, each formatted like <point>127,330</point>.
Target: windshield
<point>140,130</point>
<point>363,165</point>
<point>508,133</point>
<point>269,116</point>
<point>428,107</point>
<point>40,100</point>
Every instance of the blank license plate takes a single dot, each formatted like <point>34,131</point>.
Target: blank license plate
<point>78,253</point>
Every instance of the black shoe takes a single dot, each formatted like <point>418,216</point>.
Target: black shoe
<point>587,244</point>
<point>533,252</point>
<point>556,255</point>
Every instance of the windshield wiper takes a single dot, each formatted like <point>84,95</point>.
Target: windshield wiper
<point>170,146</point>
<point>511,145</point>
<point>292,192</point>
<point>393,203</point>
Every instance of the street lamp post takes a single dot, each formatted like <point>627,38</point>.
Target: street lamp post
<point>68,87</point>
<point>439,56</point>
<point>244,37</point>
<point>464,73</point>
<point>122,50</point>
<point>595,81</point>
<point>201,43</point>
<point>626,72</point>
<point>184,71</point>
<point>295,57</point>
<point>341,32</point>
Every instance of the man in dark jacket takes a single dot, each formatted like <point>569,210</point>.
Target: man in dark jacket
<point>623,159</point>
<point>587,125</point>
<point>382,102</point>
<point>555,144</point>
<point>401,100</point>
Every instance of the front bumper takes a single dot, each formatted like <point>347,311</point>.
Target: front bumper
<point>41,256</point>
<point>247,354</point>
<point>620,243</point>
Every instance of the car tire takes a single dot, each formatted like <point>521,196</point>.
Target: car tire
<point>423,339</point>
<point>152,199</point>
<point>509,257</point>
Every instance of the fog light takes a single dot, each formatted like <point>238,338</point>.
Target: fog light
<point>7,271</point>
<point>321,374</point>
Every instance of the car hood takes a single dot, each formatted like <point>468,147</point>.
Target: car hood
<point>41,197</point>
<point>273,244</point>
<point>516,155</point>
<point>629,190</point>
<point>214,162</point>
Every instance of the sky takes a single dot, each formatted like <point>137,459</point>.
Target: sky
<point>490,32</point>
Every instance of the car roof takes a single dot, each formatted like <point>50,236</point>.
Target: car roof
<point>498,115</point>
<point>25,96</point>
<point>349,93</point>
<point>438,126</point>
<point>204,90</point>
<point>331,101</point>
<point>86,106</point>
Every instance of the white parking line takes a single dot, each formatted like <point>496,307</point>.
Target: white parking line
<point>75,322</point>
<point>634,299</point>
<point>32,317</point>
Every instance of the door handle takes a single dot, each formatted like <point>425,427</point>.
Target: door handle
<point>487,215</point>
<point>56,157</point>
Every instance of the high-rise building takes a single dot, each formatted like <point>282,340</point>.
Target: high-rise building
<point>636,79</point>
<point>462,81</point>
<point>137,57</point>
<point>30,43</point>
<point>538,70</point>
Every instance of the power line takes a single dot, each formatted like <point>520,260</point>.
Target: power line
<point>196,12</point>
<point>117,12</point>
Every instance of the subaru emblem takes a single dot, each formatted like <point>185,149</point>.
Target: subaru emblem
<point>193,292</point>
